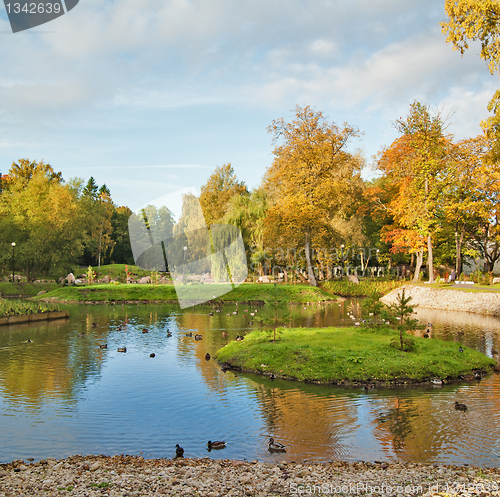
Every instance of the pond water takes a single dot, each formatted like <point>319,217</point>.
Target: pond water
<point>61,394</point>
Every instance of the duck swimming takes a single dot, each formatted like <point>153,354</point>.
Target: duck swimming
<point>207,356</point>
<point>460,407</point>
<point>275,446</point>
<point>198,337</point>
<point>215,445</point>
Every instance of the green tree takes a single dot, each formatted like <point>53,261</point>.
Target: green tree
<point>91,190</point>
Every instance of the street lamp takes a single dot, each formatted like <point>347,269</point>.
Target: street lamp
<point>342,252</point>
<point>184,265</point>
<point>13,245</point>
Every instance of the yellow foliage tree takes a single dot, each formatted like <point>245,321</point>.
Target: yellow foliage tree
<point>313,180</point>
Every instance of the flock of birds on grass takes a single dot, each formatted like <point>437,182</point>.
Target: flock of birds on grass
<point>272,447</point>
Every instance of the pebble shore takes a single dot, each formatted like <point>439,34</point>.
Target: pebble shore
<point>129,476</point>
<point>451,300</point>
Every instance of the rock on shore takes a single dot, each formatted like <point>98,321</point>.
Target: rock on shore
<point>127,476</point>
<point>450,300</point>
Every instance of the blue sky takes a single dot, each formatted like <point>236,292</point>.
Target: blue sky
<point>149,97</point>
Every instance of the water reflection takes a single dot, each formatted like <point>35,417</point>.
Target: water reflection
<point>63,394</point>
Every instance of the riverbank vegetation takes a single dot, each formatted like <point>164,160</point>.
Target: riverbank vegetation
<point>333,355</point>
<point>22,308</point>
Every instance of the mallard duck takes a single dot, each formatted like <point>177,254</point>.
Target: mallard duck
<point>179,451</point>
<point>275,446</point>
<point>210,313</point>
<point>477,376</point>
<point>103,346</point>
<point>216,445</point>
<point>460,349</point>
<point>460,407</point>
<point>152,354</point>
<point>239,338</point>
<point>169,334</point>
<point>190,334</point>
<point>145,330</point>
<point>94,325</point>
<point>122,349</point>
<point>224,369</point>
<point>198,337</point>
<point>207,356</point>
<point>28,341</point>
<point>272,376</point>
<point>437,381</point>
<point>119,328</point>
<point>426,335</point>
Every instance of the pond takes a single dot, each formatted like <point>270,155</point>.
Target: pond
<point>62,394</point>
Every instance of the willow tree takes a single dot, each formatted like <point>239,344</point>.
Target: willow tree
<point>312,179</point>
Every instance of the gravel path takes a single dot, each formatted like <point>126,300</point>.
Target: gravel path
<point>125,476</point>
<point>450,300</point>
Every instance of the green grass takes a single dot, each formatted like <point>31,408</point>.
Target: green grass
<point>31,289</point>
<point>337,354</point>
<point>247,292</point>
<point>22,308</point>
<point>363,289</point>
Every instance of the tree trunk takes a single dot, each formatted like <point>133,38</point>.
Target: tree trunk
<point>310,272</point>
<point>420,259</point>
<point>458,244</point>
<point>429,259</point>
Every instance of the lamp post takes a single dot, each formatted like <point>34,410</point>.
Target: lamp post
<point>13,245</point>
<point>184,265</point>
<point>342,251</point>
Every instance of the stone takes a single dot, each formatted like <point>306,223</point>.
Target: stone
<point>496,280</point>
<point>70,278</point>
<point>144,280</point>
<point>263,279</point>
<point>78,281</point>
<point>106,279</point>
<point>353,279</point>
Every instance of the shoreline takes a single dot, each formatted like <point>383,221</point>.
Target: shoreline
<point>133,476</point>
<point>368,385</point>
<point>486,303</point>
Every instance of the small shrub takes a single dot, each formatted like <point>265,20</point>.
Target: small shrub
<point>408,344</point>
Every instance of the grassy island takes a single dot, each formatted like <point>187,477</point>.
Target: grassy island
<point>334,355</point>
<point>247,292</point>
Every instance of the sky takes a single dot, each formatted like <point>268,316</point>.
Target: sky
<point>150,96</point>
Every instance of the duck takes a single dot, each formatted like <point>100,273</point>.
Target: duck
<point>103,346</point>
<point>460,349</point>
<point>239,338</point>
<point>119,328</point>
<point>216,445</point>
<point>224,333</point>
<point>210,313</point>
<point>145,330</point>
<point>477,376</point>
<point>190,334</point>
<point>198,336</point>
<point>250,323</point>
<point>224,369</point>
<point>179,451</point>
<point>81,335</point>
<point>460,407</point>
<point>437,381</point>
<point>272,376</point>
<point>122,349</point>
<point>169,334</point>
<point>426,335</point>
<point>276,446</point>
<point>94,325</point>
<point>28,341</point>
<point>207,356</point>
<point>152,354</point>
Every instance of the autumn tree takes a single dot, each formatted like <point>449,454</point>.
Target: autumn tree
<point>23,171</point>
<point>418,162</point>
<point>221,186</point>
<point>478,20</point>
<point>43,217</point>
<point>312,180</point>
